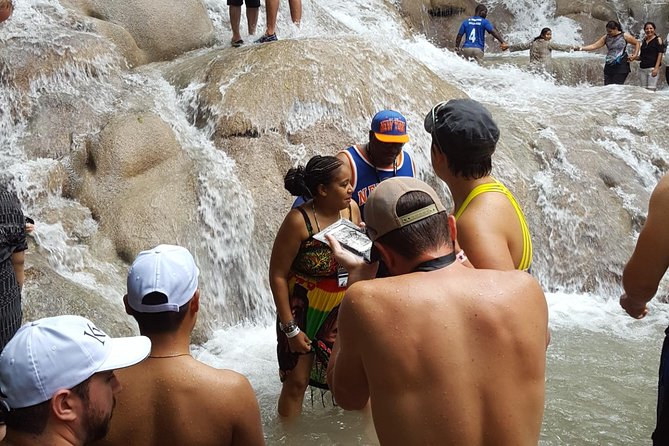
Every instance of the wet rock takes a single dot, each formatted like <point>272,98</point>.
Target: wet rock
<point>47,294</point>
<point>138,183</point>
<point>150,30</point>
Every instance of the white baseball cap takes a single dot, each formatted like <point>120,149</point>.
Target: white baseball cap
<point>60,352</point>
<point>166,269</point>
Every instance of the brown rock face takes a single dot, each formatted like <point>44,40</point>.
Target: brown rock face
<point>150,30</point>
<point>137,182</point>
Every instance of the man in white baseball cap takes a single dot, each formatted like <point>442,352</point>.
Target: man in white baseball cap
<point>57,380</point>
<point>171,389</point>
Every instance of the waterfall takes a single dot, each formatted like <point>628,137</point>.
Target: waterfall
<point>584,158</point>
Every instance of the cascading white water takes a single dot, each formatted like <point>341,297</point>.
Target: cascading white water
<point>601,374</point>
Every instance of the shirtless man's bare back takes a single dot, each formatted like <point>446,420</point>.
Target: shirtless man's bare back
<point>448,355</point>
<point>173,399</point>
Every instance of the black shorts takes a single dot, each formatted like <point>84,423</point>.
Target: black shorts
<point>249,3</point>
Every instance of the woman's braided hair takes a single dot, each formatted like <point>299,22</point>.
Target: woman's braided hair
<point>304,180</point>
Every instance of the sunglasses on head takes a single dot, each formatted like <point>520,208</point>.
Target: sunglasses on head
<point>434,124</point>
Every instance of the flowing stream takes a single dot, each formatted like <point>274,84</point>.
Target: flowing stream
<point>602,365</point>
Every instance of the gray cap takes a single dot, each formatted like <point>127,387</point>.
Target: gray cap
<point>463,124</point>
<point>381,207</point>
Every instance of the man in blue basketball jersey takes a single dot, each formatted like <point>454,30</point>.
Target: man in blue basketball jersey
<point>381,158</point>
<point>474,29</point>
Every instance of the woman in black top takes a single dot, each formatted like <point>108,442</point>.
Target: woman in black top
<point>652,49</point>
<point>12,247</point>
<point>617,62</point>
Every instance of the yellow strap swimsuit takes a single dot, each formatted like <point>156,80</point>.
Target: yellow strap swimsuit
<point>526,260</point>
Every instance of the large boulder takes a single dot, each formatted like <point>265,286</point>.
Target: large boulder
<point>149,30</point>
<point>138,183</point>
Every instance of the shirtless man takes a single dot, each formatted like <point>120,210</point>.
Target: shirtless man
<point>171,398</point>
<point>491,226</point>
<point>58,380</point>
<point>448,355</point>
<point>641,278</point>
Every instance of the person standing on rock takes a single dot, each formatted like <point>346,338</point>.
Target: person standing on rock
<point>650,57</point>
<point>235,7</point>
<point>473,29</point>
<point>641,278</point>
<point>272,10</point>
<point>6,9</point>
<point>617,62</point>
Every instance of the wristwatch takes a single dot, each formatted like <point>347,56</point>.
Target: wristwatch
<point>289,327</point>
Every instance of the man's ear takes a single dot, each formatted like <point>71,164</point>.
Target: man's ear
<point>128,310</point>
<point>195,302</point>
<point>66,405</point>
<point>437,155</point>
<point>452,229</point>
<point>387,255</point>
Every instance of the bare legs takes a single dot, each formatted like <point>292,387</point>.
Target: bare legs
<point>272,11</point>
<point>295,11</point>
<point>235,19</point>
<point>252,19</point>
<point>292,392</point>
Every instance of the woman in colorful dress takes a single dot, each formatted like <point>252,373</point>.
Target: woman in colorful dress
<point>306,282</point>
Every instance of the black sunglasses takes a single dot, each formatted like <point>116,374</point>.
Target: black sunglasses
<point>434,124</point>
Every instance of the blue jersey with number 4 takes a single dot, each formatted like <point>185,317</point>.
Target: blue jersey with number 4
<point>474,29</point>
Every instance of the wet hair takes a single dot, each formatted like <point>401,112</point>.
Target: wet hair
<point>163,322</point>
<point>651,24</point>
<point>424,235</point>
<point>304,180</point>
<point>542,34</point>
<point>464,162</point>
<point>33,419</point>
<point>480,8</point>
<point>612,24</point>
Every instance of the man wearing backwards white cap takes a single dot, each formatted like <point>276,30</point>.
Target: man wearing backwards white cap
<point>171,398</point>
<point>447,354</point>
<point>57,379</point>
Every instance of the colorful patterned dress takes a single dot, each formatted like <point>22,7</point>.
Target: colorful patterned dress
<point>314,300</point>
